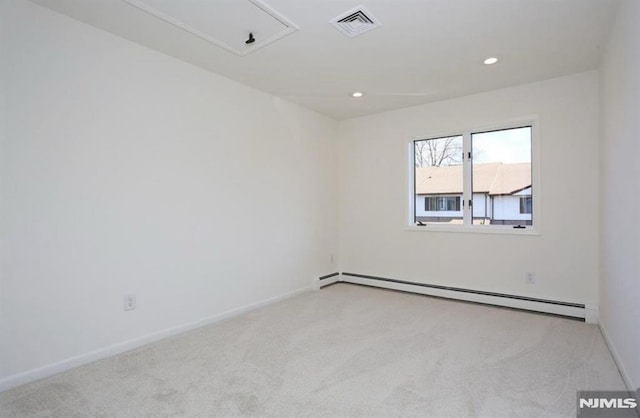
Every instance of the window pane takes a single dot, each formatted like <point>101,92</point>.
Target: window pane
<point>525,204</point>
<point>501,177</point>
<point>438,180</point>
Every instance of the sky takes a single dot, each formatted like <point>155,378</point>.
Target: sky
<point>508,146</point>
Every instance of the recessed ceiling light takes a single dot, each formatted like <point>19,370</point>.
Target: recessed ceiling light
<point>356,94</point>
<point>491,60</point>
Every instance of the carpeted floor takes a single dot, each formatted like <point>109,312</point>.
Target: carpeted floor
<point>343,351</point>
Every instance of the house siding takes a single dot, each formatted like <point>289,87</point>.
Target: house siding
<point>498,209</point>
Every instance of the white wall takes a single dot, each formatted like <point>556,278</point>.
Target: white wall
<point>508,208</point>
<point>481,205</point>
<point>620,188</point>
<point>373,165</point>
<point>124,170</point>
<point>3,125</point>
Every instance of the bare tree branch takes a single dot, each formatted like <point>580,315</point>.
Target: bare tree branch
<point>438,152</point>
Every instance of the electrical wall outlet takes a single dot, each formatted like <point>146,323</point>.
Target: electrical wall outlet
<point>530,277</point>
<point>129,302</point>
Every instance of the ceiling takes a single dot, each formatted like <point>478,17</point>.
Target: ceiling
<point>424,51</point>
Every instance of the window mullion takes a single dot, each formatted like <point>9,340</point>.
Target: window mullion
<point>466,169</point>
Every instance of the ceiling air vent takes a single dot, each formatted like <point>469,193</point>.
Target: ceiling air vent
<point>355,22</point>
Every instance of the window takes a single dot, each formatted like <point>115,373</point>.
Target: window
<point>525,204</point>
<point>501,173</point>
<point>481,177</point>
<point>438,174</point>
<point>442,204</point>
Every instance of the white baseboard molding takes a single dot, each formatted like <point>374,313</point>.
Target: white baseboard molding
<point>616,358</point>
<point>119,348</point>
<point>530,304</point>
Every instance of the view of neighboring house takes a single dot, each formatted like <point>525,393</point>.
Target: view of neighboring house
<point>501,194</point>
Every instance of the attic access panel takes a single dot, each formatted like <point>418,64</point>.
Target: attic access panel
<point>225,23</point>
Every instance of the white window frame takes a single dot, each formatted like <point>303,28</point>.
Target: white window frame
<point>467,225</point>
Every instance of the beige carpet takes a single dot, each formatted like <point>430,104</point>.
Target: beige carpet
<point>343,351</point>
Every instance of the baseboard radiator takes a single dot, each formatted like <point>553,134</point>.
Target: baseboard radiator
<point>555,307</point>
<point>328,279</point>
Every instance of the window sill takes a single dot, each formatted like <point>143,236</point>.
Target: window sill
<point>473,229</point>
